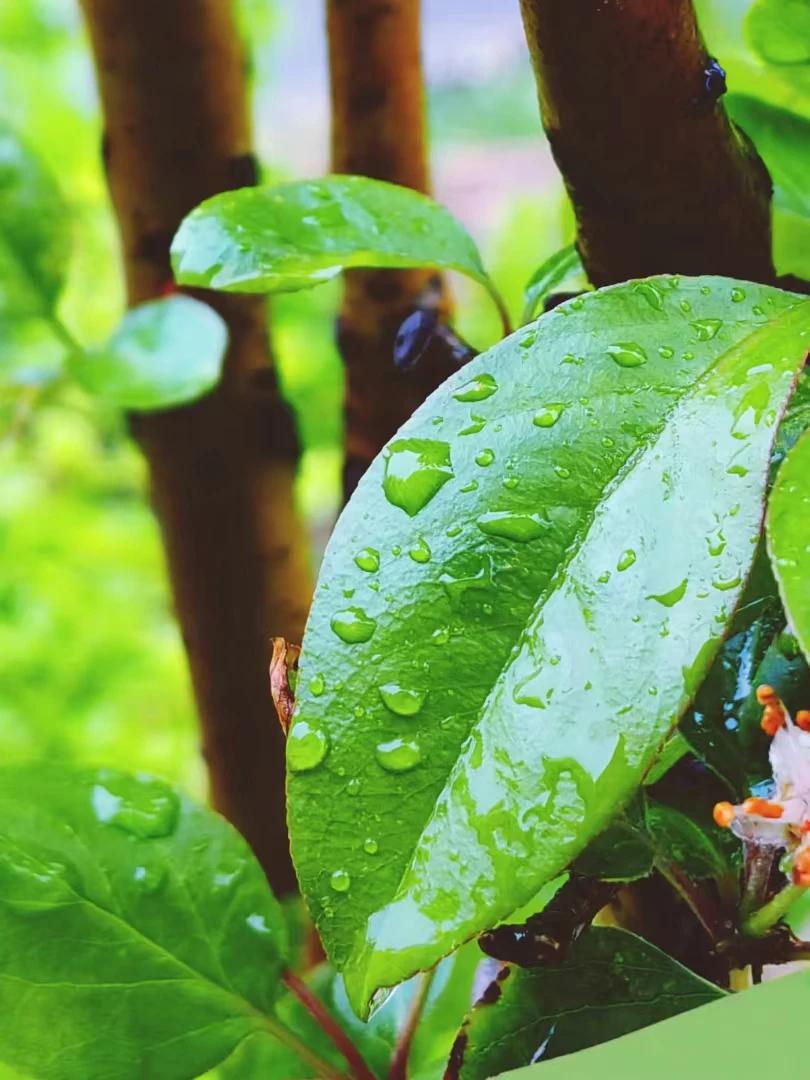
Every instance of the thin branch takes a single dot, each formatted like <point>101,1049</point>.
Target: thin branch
<point>760,921</point>
<point>329,1026</point>
<point>323,1069</point>
<point>399,1062</point>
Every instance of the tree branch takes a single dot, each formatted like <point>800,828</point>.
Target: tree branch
<point>378,131</point>
<point>660,179</point>
<point>172,83</point>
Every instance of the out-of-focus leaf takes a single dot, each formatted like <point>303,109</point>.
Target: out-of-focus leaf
<point>789,538</point>
<point>502,639</point>
<point>34,232</point>
<point>139,935</point>
<point>612,982</point>
<point>732,1037</point>
<point>164,353</point>
<point>783,140</point>
<point>779,30</point>
<point>296,235</point>
<point>549,276</point>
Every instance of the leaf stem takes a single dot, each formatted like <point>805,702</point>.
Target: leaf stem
<point>399,1062</point>
<point>760,921</point>
<point>330,1027</point>
<point>500,304</point>
<point>64,335</point>
<point>323,1069</point>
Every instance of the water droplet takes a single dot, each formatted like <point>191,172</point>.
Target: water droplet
<point>671,598</point>
<point>466,570</point>
<point>548,416</point>
<point>706,329</point>
<point>477,389</point>
<point>258,924</point>
<point>607,442</point>
<point>626,560</point>
<point>402,700</point>
<point>370,846</point>
<point>352,625</point>
<point>148,879</point>
<point>317,685</point>
<point>420,552</point>
<point>396,551</point>
<point>724,584</point>
<point>627,354</point>
<point>472,486</point>
<point>666,352</point>
<point>440,636</point>
<point>685,306</point>
<point>485,458</point>
<point>353,786</point>
<point>141,806</point>
<point>513,526</point>
<point>757,310</point>
<point>651,294</point>
<point>737,470</point>
<point>510,482</point>
<point>716,542</point>
<point>453,531</point>
<point>476,424</point>
<point>306,746</point>
<point>415,471</point>
<point>737,296</point>
<point>562,472</point>
<point>340,881</point>
<point>368,559</point>
<point>604,577</point>
<point>689,356</point>
<point>399,755</point>
<point>528,339</point>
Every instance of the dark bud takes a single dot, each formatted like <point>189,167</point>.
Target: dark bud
<point>414,338</point>
<point>714,82</point>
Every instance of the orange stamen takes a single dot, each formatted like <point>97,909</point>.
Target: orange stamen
<point>772,719</point>
<point>801,868</point>
<point>723,814</point>
<point>803,719</point>
<point>766,695</point>
<point>763,808</point>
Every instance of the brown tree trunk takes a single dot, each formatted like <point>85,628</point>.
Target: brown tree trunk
<point>378,131</point>
<point>172,80</point>
<point>661,180</point>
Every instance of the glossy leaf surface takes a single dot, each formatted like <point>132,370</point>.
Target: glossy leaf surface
<point>296,235</point>
<point>34,237</point>
<point>789,538</point>
<point>732,1037</point>
<point>549,276</point>
<point>611,983</point>
<point>545,596</point>
<point>139,934</point>
<point>164,353</point>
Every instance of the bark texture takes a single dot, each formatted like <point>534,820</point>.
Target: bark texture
<point>378,131</point>
<point>172,83</point>
<point>660,178</point>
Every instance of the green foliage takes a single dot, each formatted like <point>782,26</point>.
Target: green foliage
<point>297,235</point>
<point>555,272</point>
<point>732,1037</point>
<point>779,30</point>
<point>164,943</point>
<point>163,353</point>
<point>789,538</point>
<point>611,983</point>
<point>491,530</point>
<point>783,140</point>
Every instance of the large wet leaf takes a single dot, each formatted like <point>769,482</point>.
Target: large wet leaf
<point>164,353</point>
<point>139,935</point>
<point>34,237</point>
<point>789,537</point>
<point>612,982</point>
<point>297,235</point>
<point>523,595</point>
<point>732,1037</point>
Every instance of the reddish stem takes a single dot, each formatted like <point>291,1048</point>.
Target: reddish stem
<point>330,1027</point>
<point>399,1062</point>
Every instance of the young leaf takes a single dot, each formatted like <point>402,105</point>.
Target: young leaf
<point>789,538</point>
<point>139,935</point>
<point>297,235</point>
<point>164,353</point>
<point>34,239</point>
<point>521,597</point>
<point>728,1038</point>
<point>548,277</point>
<point>612,982</point>
<point>783,140</point>
<point>779,30</point>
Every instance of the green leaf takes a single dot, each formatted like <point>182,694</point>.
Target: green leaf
<point>783,140</point>
<point>612,982</point>
<point>496,652</point>
<point>34,238</point>
<point>164,353</point>
<point>789,538</point>
<point>139,935</point>
<point>622,852</point>
<point>297,235</point>
<point>549,276</point>
<point>732,1037</point>
<point>779,30</point>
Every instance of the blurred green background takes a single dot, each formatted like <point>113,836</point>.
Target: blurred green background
<point>91,664</point>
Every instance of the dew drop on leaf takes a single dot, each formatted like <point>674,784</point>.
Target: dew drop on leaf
<point>399,755</point>
<point>340,881</point>
<point>737,295</point>
<point>415,470</point>
<point>671,598</point>
<point>485,458</point>
<point>477,389</point>
<point>651,293</point>
<point>368,559</point>
<point>370,846</point>
<point>306,746</point>
<point>420,552</point>
<point>724,584</point>
<point>627,354</point>
<point>706,329</point>
<point>402,700</point>
<point>141,806</point>
<point>317,685</point>
<point>626,560</point>
<point>666,352</point>
<point>352,625</point>
<point>548,416</point>
<point>513,526</point>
